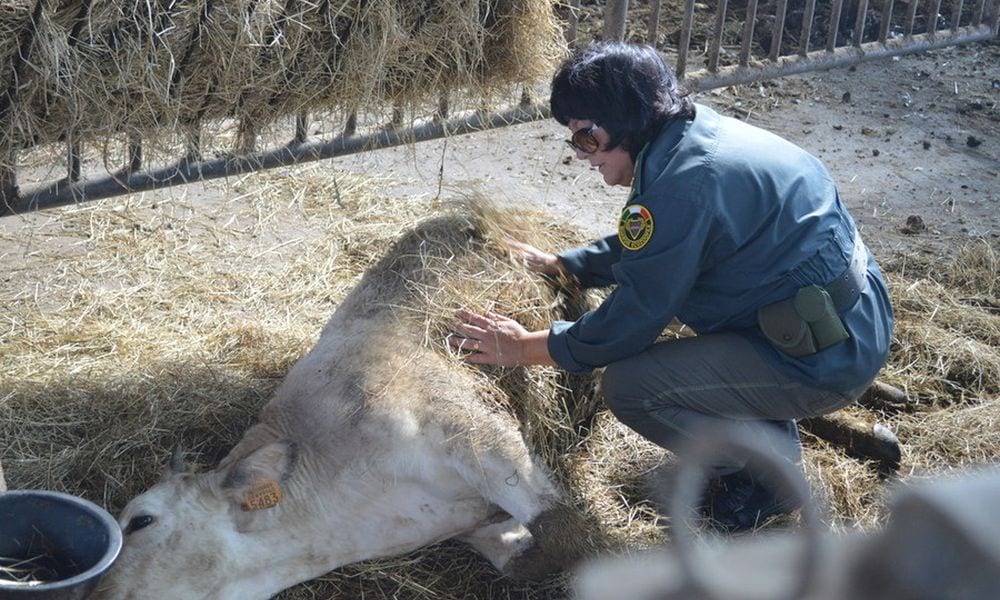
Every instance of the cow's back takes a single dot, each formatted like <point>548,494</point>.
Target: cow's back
<point>384,350</point>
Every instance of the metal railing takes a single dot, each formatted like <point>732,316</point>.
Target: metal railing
<point>844,35</point>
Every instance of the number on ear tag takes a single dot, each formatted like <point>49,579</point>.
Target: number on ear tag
<point>263,493</point>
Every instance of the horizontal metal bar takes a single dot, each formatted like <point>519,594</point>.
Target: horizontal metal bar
<point>63,193</point>
<point>820,60</point>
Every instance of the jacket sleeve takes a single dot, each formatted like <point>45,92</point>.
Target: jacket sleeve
<point>592,264</point>
<point>653,283</point>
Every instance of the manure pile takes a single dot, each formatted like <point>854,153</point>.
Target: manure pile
<point>83,71</point>
<point>128,328</point>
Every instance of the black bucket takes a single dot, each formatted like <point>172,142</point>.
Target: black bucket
<point>53,545</point>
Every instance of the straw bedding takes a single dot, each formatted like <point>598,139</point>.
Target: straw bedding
<point>127,329</point>
<point>84,71</point>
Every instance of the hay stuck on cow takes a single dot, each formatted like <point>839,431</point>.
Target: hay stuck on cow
<point>131,328</point>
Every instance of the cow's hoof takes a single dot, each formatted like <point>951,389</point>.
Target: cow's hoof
<point>533,564</point>
<point>562,537</point>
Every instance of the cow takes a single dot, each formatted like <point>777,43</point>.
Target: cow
<point>379,441</point>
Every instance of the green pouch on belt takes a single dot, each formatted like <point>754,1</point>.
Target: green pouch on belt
<point>816,308</point>
<point>802,325</point>
<point>786,329</point>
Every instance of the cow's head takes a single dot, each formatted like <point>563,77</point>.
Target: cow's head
<point>207,535</point>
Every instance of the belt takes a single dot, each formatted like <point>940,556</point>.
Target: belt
<point>846,288</point>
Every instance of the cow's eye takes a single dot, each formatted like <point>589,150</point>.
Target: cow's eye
<point>138,523</point>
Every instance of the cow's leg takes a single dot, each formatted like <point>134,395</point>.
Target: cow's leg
<point>505,473</point>
<point>499,542</point>
<point>501,468</point>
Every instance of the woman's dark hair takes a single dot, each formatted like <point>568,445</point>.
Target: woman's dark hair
<point>627,89</point>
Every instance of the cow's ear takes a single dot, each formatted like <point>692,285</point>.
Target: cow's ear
<point>254,482</point>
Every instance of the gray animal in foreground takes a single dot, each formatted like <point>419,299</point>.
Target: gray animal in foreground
<point>942,540</point>
<point>377,443</point>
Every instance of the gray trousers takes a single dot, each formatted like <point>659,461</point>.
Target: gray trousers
<point>675,389</point>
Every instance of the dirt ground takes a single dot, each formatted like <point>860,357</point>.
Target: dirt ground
<point>913,142</point>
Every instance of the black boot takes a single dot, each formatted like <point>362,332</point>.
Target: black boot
<point>742,501</point>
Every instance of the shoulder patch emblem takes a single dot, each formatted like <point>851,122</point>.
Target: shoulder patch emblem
<point>635,227</point>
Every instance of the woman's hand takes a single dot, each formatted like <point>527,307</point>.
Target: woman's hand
<point>493,339</point>
<point>535,259</point>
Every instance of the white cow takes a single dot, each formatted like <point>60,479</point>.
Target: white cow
<point>374,445</point>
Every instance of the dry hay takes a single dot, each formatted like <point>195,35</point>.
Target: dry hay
<point>133,329</point>
<point>98,71</point>
<point>946,356</point>
<point>130,328</point>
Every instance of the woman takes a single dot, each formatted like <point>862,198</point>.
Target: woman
<point>730,229</point>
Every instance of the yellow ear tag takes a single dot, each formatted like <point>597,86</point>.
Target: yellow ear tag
<point>263,493</point>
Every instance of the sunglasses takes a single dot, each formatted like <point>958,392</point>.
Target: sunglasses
<point>583,140</point>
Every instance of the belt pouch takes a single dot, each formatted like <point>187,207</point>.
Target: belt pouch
<point>816,308</point>
<point>782,325</point>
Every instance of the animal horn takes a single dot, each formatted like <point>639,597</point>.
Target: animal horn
<point>177,460</point>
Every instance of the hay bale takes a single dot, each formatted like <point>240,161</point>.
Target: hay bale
<point>97,71</point>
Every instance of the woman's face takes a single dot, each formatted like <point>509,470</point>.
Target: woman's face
<point>615,165</point>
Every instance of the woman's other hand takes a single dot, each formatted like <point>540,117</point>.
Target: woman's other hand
<point>537,260</point>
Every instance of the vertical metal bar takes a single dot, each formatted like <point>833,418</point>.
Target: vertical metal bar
<point>73,161</point>
<point>351,126</point>
<point>301,128</point>
<point>573,22</point>
<point>748,25</point>
<point>9,195</point>
<point>779,29</point>
<point>807,26</point>
<point>716,44</point>
<point>956,15</point>
<point>883,33</point>
<point>685,41</point>
<point>442,108</point>
<point>654,22</point>
<point>246,137</point>
<point>526,99</point>
<point>859,23</point>
<point>980,12</point>
<point>19,61</point>
<point>835,10</point>
<point>932,17</point>
<point>193,142</point>
<point>134,152</point>
<point>911,17</point>
<point>614,20</point>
